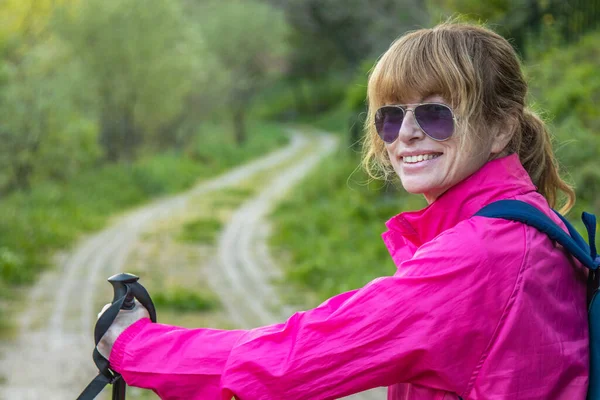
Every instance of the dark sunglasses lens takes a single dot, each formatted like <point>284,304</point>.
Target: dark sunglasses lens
<point>388,121</point>
<point>436,120</point>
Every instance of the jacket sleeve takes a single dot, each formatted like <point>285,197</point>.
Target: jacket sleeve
<point>430,324</point>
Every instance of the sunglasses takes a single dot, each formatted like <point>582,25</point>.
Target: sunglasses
<point>436,120</point>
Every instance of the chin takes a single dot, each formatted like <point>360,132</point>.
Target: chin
<point>414,185</point>
<point>413,189</point>
<point>429,192</point>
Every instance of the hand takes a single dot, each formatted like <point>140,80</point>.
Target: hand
<point>124,319</point>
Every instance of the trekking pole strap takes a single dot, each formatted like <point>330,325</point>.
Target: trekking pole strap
<point>106,375</point>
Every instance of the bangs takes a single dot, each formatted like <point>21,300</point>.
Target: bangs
<point>418,65</point>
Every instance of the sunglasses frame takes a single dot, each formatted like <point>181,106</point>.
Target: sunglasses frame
<point>411,107</point>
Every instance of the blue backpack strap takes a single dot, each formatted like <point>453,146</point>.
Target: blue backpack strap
<point>519,211</point>
<point>573,232</point>
<point>516,210</point>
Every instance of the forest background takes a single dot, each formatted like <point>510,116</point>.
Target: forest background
<point>105,104</point>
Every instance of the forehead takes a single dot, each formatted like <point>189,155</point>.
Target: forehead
<point>432,98</point>
<point>407,87</point>
<point>412,71</point>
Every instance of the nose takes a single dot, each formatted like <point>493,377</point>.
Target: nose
<point>409,130</point>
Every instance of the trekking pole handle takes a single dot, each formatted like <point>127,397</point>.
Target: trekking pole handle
<point>120,283</point>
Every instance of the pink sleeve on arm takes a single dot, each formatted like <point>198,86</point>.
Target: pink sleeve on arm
<point>429,326</point>
<point>176,363</point>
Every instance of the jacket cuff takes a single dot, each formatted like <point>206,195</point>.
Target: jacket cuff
<point>118,351</point>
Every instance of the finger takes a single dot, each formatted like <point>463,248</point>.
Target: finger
<point>140,310</point>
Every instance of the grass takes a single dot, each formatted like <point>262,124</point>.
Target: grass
<point>203,230</point>
<point>327,232</point>
<point>52,215</point>
<point>232,197</point>
<point>338,120</point>
<point>184,300</point>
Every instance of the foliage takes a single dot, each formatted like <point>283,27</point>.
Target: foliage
<point>356,94</point>
<point>26,19</point>
<point>336,120</point>
<point>303,98</point>
<point>331,36</point>
<point>202,230</point>
<point>566,83</point>
<point>247,40</point>
<point>214,145</point>
<point>84,82</point>
<point>181,299</point>
<point>151,82</point>
<point>527,23</point>
<point>138,59</point>
<point>330,39</point>
<point>53,214</point>
<point>36,101</point>
<point>333,244</point>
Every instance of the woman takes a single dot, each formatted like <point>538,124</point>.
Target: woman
<point>478,309</point>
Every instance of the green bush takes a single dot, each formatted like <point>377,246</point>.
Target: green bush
<point>302,98</point>
<point>277,102</point>
<point>11,265</point>
<point>181,299</point>
<point>330,225</point>
<point>164,173</point>
<point>214,146</point>
<point>356,94</point>
<point>53,214</point>
<point>565,82</point>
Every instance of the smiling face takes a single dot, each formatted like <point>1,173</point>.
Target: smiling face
<point>470,69</point>
<point>429,167</point>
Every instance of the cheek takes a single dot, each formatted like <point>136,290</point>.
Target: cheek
<point>388,151</point>
<point>389,148</point>
<point>466,162</point>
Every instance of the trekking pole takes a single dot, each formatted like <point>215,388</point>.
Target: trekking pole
<point>126,290</point>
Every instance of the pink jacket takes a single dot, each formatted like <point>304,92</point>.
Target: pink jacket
<point>478,308</point>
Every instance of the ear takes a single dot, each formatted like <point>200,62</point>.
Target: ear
<point>503,134</point>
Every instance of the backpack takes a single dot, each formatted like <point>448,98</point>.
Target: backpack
<point>515,210</point>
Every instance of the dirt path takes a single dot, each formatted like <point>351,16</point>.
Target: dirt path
<point>51,357</point>
<point>245,268</point>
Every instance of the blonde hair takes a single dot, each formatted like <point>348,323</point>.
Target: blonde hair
<point>479,74</point>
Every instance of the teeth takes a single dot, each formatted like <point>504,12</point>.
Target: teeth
<point>419,158</point>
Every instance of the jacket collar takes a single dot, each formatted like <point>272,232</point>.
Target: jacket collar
<point>498,179</point>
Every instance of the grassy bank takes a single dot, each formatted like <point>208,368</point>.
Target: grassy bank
<point>329,228</point>
<point>54,214</point>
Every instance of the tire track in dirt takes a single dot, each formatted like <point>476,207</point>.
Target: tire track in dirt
<point>243,274</point>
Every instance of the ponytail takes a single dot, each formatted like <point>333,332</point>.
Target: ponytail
<point>533,144</point>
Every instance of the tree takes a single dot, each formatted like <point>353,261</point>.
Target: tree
<point>42,131</point>
<point>37,110</point>
<point>330,39</point>
<point>524,20</point>
<point>138,57</point>
<point>247,40</point>
<point>348,31</point>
